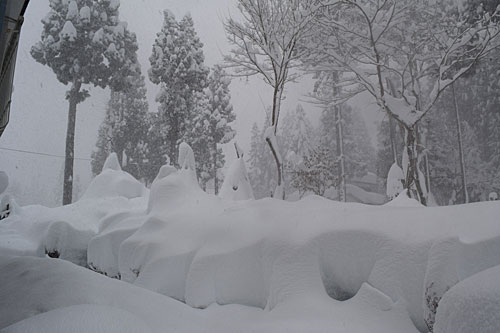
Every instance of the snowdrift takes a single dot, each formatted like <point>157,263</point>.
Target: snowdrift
<point>472,305</point>
<point>266,260</point>
<point>32,286</point>
<point>51,295</point>
<point>113,182</point>
<point>65,232</point>
<point>264,253</point>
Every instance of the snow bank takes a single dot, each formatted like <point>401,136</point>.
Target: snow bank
<point>47,295</point>
<point>315,257</point>
<point>113,182</point>
<point>368,268</point>
<point>403,200</point>
<point>264,253</point>
<point>4,181</point>
<point>455,259</point>
<point>357,194</point>
<point>102,252</point>
<point>173,189</point>
<point>81,318</point>
<point>472,305</point>
<point>31,286</point>
<point>63,231</point>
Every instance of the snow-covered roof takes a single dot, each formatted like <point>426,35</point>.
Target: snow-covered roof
<point>9,37</point>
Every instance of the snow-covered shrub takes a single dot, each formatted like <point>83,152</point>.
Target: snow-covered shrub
<point>395,181</point>
<point>473,305</point>
<point>113,182</point>
<point>236,184</point>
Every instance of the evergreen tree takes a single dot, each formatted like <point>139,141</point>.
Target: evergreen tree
<point>316,174</point>
<point>296,141</point>
<point>297,133</point>
<point>358,150</point>
<point>177,65</point>
<point>213,114</point>
<point>442,148</point>
<point>478,99</point>
<point>83,42</point>
<point>124,129</point>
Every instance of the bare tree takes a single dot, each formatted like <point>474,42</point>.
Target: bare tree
<point>417,45</point>
<point>267,44</point>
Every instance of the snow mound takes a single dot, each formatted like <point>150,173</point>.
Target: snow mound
<point>113,182</point>
<point>265,253</point>
<point>46,295</point>
<point>172,191</point>
<point>357,194</point>
<point>402,200</point>
<point>68,31</point>
<point>165,171</point>
<point>472,305</point>
<point>112,163</point>
<point>62,232</point>
<point>236,185</point>
<point>455,259</point>
<point>4,181</point>
<point>186,157</point>
<point>10,202</point>
<point>102,253</point>
<point>174,188</point>
<point>81,318</point>
<point>32,286</point>
<point>395,179</point>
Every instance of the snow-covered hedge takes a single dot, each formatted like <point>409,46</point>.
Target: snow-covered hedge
<point>472,305</point>
<point>401,258</point>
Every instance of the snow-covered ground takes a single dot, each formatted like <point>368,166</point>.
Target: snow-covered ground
<point>193,262</point>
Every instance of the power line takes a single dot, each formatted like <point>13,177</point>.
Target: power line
<point>59,156</point>
<point>41,154</point>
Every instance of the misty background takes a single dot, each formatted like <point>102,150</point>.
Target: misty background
<point>32,147</point>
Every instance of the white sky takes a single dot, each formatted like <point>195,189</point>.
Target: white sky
<point>39,110</point>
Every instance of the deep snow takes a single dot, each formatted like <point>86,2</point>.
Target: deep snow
<point>265,265</point>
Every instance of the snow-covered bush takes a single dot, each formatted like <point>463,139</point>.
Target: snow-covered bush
<point>472,305</point>
<point>113,182</point>
<point>395,181</point>
<point>236,185</point>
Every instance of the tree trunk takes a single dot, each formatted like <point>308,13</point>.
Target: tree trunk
<point>426,161</point>
<point>279,167</point>
<point>273,143</point>
<point>216,180</point>
<point>412,183</point>
<point>172,140</point>
<point>70,144</point>
<point>391,125</point>
<point>460,147</point>
<point>340,154</point>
